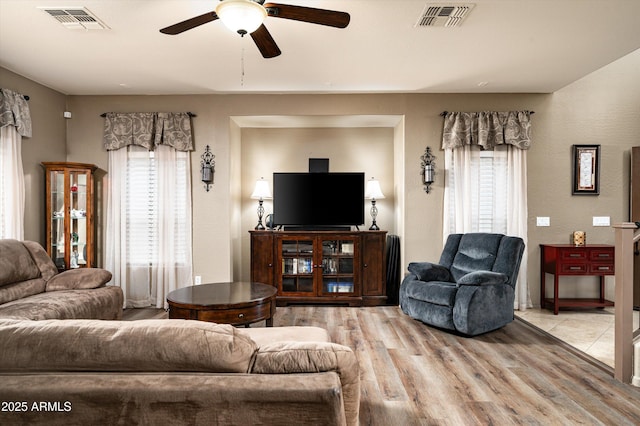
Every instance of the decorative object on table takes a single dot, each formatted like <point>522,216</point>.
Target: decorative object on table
<point>373,193</point>
<point>261,192</point>
<point>428,166</point>
<point>207,167</point>
<point>586,170</point>
<point>579,238</point>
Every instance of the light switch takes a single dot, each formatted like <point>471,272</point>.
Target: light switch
<point>601,221</point>
<point>543,221</point>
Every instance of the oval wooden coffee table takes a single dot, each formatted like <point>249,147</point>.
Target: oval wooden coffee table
<point>237,303</point>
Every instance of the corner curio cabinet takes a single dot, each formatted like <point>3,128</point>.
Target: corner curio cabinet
<point>69,215</point>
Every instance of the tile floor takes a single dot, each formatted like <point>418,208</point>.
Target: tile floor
<point>589,330</point>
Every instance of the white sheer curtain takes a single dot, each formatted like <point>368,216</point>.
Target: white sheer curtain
<point>517,215</point>
<point>486,191</point>
<point>11,184</point>
<point>15,123</point>
<point>148,229</point>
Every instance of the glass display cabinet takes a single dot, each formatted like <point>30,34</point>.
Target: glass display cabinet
<point>69,214</point>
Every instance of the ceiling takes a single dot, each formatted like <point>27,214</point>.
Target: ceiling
<point>502,46</point>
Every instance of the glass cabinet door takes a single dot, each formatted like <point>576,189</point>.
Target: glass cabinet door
<point>338,275</point>
<point>296,274</point>
<point>57,219</point>
<point>78,219</point>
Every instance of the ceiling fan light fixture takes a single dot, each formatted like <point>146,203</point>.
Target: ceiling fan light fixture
<point>241,16</point>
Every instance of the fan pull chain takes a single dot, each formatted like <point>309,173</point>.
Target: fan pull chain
<point>242,67</point>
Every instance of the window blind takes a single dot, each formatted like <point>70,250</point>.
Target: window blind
<point>485,185</point>
<point>143,215</point>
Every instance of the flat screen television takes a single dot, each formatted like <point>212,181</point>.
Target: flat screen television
<point>318,200</point>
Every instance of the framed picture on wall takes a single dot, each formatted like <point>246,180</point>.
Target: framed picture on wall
<point>586,170</point>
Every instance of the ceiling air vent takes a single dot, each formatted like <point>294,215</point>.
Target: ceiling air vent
<point>75,18</point>
<point>444,15</point>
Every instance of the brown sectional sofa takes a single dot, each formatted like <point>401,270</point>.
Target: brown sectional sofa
<point>32,288</point>
<point>89,369</point>
<point>174,372</point>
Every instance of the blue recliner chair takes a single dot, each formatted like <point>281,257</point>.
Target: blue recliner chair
<point>471,289</point>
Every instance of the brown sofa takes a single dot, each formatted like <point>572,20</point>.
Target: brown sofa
<point>80,372</point>
<point>32,288</point>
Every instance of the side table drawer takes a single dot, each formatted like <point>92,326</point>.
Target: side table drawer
<point>602,268</point>
<point>601,255</point>
<point>573,255</point>
<point>574,268</point>
<point>236,316</point>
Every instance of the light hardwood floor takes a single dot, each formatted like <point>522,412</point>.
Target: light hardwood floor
<point>413,374</point>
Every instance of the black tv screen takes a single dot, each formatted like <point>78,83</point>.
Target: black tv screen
<point>318,199</point>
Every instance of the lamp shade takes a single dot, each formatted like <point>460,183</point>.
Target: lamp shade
<point>373,191</point>
<point>261,190</point>
<point>241,16</point>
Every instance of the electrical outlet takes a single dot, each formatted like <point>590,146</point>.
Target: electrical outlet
<point>543,221</point>
<point>601,221</point>
<point>198,279</point>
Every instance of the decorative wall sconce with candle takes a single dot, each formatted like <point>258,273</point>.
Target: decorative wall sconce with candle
<point>373,192</point>
<point>261,192</point>
<point>428,165</point>
<point>207,167</point>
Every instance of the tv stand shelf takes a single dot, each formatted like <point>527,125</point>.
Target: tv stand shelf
<point>335,267</point>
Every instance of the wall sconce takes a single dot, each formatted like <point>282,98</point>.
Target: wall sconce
<point>373,193</point>
<point>207,168</point>
<point>261,192</point>
<point>428,165</point>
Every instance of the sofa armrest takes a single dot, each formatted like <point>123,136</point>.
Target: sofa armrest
<point>427,271</point>
<point>314,357</point>
<point>81,278</point>
<point>483,278</point>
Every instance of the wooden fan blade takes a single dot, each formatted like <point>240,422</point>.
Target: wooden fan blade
<point>183,26</point>
<point>330,18</point>
<point>266,44</point>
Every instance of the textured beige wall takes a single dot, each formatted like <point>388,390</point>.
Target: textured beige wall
<point>48,143</point>
<point>265,151</point>
<point>601,108</point>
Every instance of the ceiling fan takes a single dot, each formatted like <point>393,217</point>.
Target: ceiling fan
<point>246,17</point>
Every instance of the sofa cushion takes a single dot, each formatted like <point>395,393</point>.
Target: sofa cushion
<point>144,346</point>
<point>82,278</point>
<point>476,251</point>
<point>426,271</point>
<point>267,335</point>
<point>314,357</point>
<point>16,263</point>
<point>41,258</point>
<point>436,292</point>
<point>483,278</point>
<point>103,303</point>
<point>22,289</point>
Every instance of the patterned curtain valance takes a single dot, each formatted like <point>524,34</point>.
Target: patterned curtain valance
<point>487,129</point>
<point>14,111</point>
<point>148,129</point>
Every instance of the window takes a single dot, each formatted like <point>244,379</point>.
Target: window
<point>477,193</point>
<point>144,217</point>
